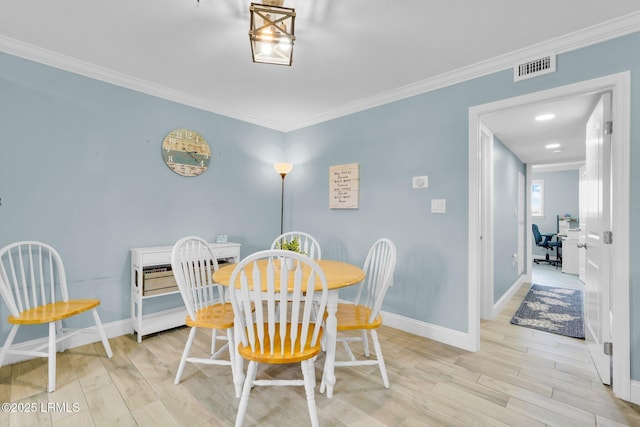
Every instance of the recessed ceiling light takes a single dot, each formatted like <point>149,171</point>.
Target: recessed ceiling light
<point>552,146</point>
<point>559,150</point>
<point>545,117</point>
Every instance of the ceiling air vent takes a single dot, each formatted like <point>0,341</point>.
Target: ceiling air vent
<point>534,67</point>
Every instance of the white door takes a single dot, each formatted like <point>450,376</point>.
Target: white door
<point>598,252</point>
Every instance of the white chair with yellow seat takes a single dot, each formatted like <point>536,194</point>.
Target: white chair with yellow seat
<point>364,313</point>
<point>33,285</point>
<point>193,264</point>
<point>277,319</point>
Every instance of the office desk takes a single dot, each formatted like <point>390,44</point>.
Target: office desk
<point>570,240</point>
<point>339,275</point>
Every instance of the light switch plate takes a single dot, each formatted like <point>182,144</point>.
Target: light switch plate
<point>438,206</point>
<point>420,181</point>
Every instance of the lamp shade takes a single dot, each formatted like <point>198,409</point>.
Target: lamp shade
<point>283,168</point>
<point>271,32</point>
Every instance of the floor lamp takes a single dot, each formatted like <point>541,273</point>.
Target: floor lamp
<point>283,169</point>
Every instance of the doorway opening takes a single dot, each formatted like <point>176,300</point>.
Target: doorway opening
<point>479,260</point>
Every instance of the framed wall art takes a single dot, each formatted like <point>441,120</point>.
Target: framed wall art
<point>344,186</point>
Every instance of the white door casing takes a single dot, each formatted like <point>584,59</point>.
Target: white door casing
<point>486,201</point>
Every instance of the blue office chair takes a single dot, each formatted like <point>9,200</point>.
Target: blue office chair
<point>546,241</point>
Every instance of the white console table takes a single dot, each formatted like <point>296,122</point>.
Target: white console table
<point>158,256</point>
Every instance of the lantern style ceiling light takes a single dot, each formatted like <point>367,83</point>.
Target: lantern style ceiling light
<point>271,32</point>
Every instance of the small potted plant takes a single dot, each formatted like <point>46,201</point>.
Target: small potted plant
<point>292,245</point>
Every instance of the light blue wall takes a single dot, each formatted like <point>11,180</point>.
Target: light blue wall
<point>506,167</point>
<point>80,167</point>
<point>392,144</point>
<point>561,195</point>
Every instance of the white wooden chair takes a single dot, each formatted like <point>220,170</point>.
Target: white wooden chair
<point>364,314</point>
<point>193,264</point>
<point>308,244</point>
<point>276,320</point>
<point>33,285</point>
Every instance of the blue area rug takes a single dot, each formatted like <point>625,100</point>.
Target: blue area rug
<point>550,309</point>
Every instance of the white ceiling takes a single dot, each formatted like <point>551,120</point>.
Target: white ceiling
<point>349,54</point>
<point>527,138</point>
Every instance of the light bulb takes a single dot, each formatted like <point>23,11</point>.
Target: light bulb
<point>285,45</point>
<point>545,117</point>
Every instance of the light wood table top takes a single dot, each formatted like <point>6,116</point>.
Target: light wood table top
<point>338,274</point>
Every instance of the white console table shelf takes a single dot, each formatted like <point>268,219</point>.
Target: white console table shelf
<point>157,256</point>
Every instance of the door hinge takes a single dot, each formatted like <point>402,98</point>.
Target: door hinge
<point>607,237</point>
<point>608,348</point>
<point>608,127</point>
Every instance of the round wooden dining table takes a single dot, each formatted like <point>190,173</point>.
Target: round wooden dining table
<point>339,275</point>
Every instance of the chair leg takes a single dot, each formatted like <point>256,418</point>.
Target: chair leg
<point>378,350</point>
<point>246,389</point>
<point>365,342</point>
<point>52,356</point>
<point>103,335</point>
<point>214,337</point>
<point>8,342</point>
<point>232,357</point>
<point>308,371</point>
<point>185,354</point>
<point>60,346</point>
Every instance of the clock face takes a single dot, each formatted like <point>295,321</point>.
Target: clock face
<point>186,152</point>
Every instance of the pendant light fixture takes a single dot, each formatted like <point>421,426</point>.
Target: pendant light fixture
<point>271,32</point>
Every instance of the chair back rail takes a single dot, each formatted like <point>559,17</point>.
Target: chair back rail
<point>378,267</point>
<point>308,244</point>
<point>32,275</point>
<point>265,312</point>
<point>193,264</point>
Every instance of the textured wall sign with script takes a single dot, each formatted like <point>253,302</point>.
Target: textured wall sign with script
<point>344,186</point>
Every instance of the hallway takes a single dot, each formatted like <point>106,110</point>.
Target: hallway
<point>545,274</point>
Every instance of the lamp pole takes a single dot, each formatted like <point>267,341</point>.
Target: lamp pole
<point>282,204</point>
<point>283,169</point>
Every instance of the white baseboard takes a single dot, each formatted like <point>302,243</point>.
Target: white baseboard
<point>112,329</point>
<point>498,306</point>
<point>635,392</point>
<point>426,330</point>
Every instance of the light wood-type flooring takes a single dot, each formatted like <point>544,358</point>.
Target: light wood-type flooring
<point>520,377</point>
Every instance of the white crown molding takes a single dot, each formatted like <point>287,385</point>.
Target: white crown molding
<point>598,33</point>
<point>83,68</point>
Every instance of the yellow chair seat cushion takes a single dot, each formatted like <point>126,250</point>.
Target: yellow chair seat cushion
<point>216,316</point>
<point>53,312</point>
<point>352,317</point>
<point>298,355</point>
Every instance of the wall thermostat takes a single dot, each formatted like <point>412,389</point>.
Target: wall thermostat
<point>420,181</point>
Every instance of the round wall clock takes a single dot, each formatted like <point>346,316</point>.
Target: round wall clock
<point>186,152</point>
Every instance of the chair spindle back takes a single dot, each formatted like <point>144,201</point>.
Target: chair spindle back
<point>193,263</point>
<point>378,267</point>
<point>268,311</point>
<point>32,275</point>
<point>308,244</point>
